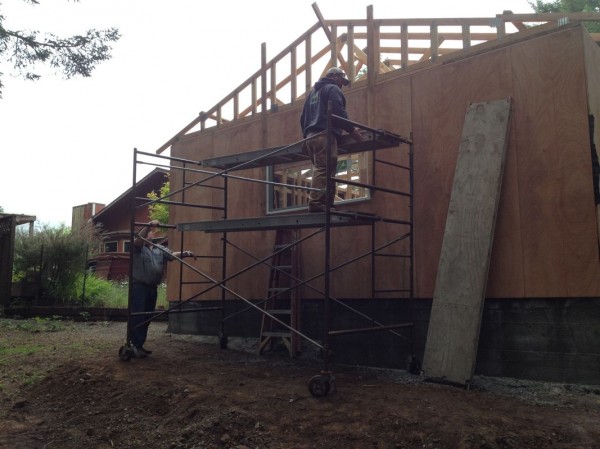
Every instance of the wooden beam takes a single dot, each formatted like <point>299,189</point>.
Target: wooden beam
<point>273,92</point>
<point>307,64</point>
<point>519,25</point>
<point>466,36</point>
<point>404,45</point>
<point>364,59</point>
<point>350,71</point>
<point>264,96</point>
<point>372,53</point>
<point>254,96</point>
<point>435,43</point>
<point>425,36</point>
<point>294,76</point>
<point>321,20</point>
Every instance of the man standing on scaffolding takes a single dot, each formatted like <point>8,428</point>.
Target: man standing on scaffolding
<point>313,122</point>
<point>148,270</point>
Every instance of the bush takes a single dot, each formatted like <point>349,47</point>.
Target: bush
<point>53,258</point>
<point>109,294</point>
<point>96,290</point>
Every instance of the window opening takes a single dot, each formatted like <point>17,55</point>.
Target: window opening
<point>110,247</point>
<point>286,194</point>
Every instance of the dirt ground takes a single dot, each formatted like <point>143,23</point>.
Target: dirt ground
<point>63,386</point>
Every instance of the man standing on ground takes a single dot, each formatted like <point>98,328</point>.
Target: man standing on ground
<point>148,269</point>
<point>313,122</point>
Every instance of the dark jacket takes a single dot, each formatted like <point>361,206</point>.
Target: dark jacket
<point>314,113</point>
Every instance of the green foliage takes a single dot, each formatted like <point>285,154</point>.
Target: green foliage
<point>157,210</point>
<point>118,296</point>
<point>34,325</point>
<point>74,55</point>
<point>102,293</point>
<point>566,6</point>
<point>1,210</point>
<point>52,258</point>
<point>96,289</point>
<point>569,6</point>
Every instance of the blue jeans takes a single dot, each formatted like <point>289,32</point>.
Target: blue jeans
<point>143,299</point>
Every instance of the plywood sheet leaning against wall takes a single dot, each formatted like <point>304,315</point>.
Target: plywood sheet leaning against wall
<point>461,280</point>
<point>592,63</point>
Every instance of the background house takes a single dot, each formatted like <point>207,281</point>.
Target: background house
<point>81,215</point>
<point>113,223</point>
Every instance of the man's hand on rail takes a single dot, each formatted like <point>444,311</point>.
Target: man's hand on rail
<point>184,254</point>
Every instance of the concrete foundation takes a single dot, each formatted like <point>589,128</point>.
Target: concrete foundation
<point>555,340</point>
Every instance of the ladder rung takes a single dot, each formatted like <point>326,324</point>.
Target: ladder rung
<point>392,291</point>
<point>282,267</point>
<point>276,334</point>
<point>279,311</point>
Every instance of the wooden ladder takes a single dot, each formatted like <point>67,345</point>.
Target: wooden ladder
<point>282,300</point>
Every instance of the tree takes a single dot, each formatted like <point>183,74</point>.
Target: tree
<point>157,210</point>
<point>53,258</point>
<point>74,55</point>
<point>566,6</point>
<point>569,6</point>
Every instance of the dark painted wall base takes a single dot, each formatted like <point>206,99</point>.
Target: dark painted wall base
<point>554,340</point>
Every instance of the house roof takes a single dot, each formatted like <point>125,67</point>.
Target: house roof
<point>155,178</point>
<point>21,219</point>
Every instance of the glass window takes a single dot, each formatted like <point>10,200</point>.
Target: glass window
<point>126,247</point>
<point>291,195</point>
<point>110,247</point>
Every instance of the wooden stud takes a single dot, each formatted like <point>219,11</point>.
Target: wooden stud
<point>294,76</point>
<point>404,45</point>
<point>351,72</point>
<point>307,64</point>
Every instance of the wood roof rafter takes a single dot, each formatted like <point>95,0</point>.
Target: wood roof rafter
<point>445,36</point>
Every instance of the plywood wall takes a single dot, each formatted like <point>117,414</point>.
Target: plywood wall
<point>546,240</point>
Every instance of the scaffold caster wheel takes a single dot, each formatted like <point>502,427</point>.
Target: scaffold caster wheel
<point>125,353</point>
<point>319,385</point>
<point>223,340</point>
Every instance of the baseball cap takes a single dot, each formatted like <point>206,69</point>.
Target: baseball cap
<point>335,71</point>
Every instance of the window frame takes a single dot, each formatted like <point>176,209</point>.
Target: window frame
<point>364,158</point>
<point>111,242</point>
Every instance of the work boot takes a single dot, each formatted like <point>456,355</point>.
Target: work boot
<point>138,352</point>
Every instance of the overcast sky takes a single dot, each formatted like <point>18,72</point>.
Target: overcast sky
<point>64,143</point>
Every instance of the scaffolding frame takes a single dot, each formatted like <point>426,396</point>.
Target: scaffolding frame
<point>221,168</point>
